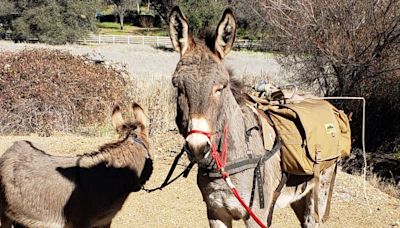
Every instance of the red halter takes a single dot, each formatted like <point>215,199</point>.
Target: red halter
<point>220,160</point>
<point>207,134</point>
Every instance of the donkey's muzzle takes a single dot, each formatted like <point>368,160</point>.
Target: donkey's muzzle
<point>198,138</point>
<point>199,150</point>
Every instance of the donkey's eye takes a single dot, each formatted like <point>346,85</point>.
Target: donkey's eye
<point>218,89</point>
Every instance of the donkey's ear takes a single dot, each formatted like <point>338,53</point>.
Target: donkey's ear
<point>116,117</point>
<point>225,34</point>
<point>138,114</point>
<point>179,31</point>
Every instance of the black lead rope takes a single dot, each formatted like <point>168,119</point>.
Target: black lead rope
<point>167,180</point>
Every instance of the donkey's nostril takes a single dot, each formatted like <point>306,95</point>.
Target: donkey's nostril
<point>207,148</point>
<point>198,149</point>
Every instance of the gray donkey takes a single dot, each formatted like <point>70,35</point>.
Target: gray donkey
<point>209,100</point>
<point>41,190</point>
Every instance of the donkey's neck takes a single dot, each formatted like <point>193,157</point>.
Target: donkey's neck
<point>234,118</point>
<point>240,119</point>
<point>120,154</point>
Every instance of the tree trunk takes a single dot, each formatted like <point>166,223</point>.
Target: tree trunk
<point>121,20</point>
<point>138,7</point>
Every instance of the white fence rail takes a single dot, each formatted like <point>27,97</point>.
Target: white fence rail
<point>157,41</point>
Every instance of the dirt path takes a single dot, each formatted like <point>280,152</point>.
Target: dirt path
<point>180,204</point>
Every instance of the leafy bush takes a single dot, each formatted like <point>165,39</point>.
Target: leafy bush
<point>43,91</point>
<point>54,21</point>
<point>203,13</point>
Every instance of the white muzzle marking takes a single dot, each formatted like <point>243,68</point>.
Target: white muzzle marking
<point>195,139</point>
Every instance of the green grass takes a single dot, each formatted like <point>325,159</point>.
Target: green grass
<point>112,28</point>
<point>108,25</point>
<point>396,155</point>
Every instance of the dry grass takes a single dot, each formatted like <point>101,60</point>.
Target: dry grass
<point>388,187</point>
<point>157,96</point>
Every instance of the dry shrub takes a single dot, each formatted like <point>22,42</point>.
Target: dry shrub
<point>158,97</point>
<point>389,187</point>
<point>382,170</point>
<point>346,48</point>
<point>44,91</point>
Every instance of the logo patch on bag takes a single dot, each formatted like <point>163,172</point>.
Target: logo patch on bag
<point>330,128</point>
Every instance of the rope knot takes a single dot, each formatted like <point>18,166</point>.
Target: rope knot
<point>224,174</point>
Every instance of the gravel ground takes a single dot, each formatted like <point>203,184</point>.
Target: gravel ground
<point>146,61</point>
<point>180,204</point>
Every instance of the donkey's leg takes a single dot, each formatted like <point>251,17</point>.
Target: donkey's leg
<point>309,213</point>
<point>304,210</point>
<point>105,226</point>
<point>82,224</point>
<point>325,187</point>
<point>218,218</point>
<point>17,225</point>
<point>327,181</point>
<point>5,221</point>
<point>299,208</point>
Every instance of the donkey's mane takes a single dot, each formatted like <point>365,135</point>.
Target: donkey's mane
<point>237,87</point>
<point>107,153</point>
<point>117,143</point>
<point>109,146</point>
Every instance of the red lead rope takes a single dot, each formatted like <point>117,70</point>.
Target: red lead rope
<point>220,160</point>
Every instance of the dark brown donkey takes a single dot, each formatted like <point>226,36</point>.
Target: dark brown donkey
<point>41,190</point>
<point>209,99</point>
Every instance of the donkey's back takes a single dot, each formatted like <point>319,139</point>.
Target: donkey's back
<point>42,190</point>
<point>29,179</point>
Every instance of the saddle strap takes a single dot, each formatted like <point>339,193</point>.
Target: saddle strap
<point>328,204</point>
<point>317,171</point>
<point>317,216</point>
<point>245,163</point>
<point>257,183</point>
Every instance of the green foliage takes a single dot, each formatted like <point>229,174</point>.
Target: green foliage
<point>145,10</point>
<point>107,25</point>
<point>6,7</point>
<point>54,21</point>
<point>121,7</point>
<point>6,10</point>
<point>202,13</point>
<point>244,33</point>
<point>113,28</point>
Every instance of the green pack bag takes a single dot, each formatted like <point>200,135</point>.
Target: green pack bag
<point>313,132</point>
